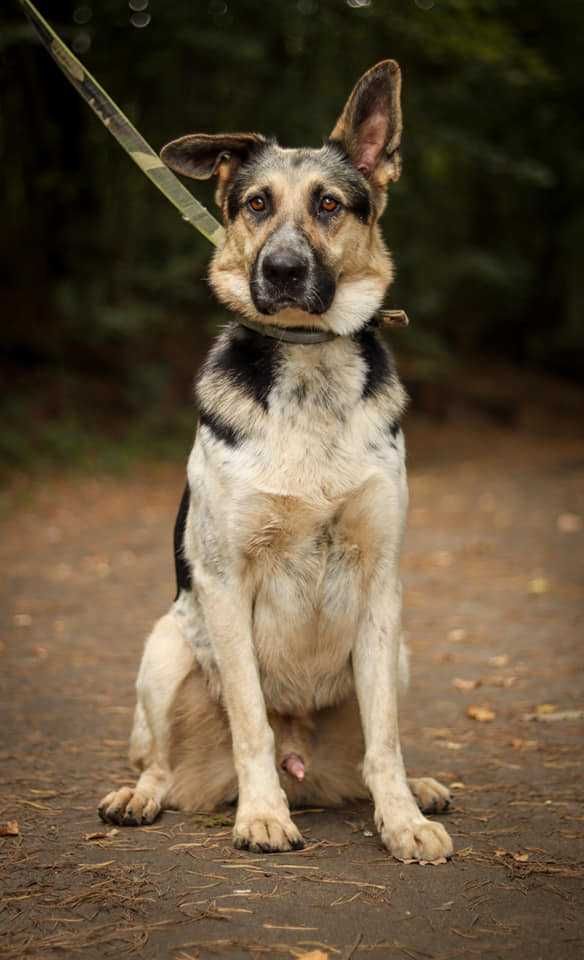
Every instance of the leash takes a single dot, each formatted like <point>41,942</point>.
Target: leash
<point>124,132</point>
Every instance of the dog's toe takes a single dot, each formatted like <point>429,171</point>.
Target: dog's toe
<point>267,834</point>
<point>431,796</point>
<point>113,805</point>
<point>418,839</point>
<point>128,808</point>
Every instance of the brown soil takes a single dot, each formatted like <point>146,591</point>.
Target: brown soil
<point>493,572</point>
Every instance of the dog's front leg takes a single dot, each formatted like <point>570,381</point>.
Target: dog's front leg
<point>263,820</point>
<point>406,833</point>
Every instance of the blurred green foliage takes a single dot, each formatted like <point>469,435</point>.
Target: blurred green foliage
<point>105,309</point>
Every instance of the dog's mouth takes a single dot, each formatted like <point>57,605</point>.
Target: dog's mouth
<point>314,297</point>
<point>270,306</point>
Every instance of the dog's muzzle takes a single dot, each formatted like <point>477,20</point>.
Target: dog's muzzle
<point>288,273</point>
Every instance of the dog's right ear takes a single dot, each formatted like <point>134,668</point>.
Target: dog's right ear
<point>200,155</point>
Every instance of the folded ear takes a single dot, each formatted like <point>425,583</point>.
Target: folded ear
<point>200,155</point>
<point>370,125</point>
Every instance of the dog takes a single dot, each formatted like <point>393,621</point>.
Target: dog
<point>273,679</point>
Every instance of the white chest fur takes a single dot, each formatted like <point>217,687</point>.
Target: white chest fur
<point>301,515</point>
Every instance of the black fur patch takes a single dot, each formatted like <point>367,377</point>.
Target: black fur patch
<point>300,392</point>
<point>360,204</point>
<point>358,198</point>
<point>354,183</point>
<point>251,361</point>
<point>182,569</point>
<point>219,428</point>
<point>393,429</point>
<point>234,198</point>
<point>377,359</point>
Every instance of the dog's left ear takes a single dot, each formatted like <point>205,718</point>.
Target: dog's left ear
<point>200,155</point>
<point>370,125</point>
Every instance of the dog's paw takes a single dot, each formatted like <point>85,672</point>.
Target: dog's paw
<point>417,839</point>
<point>431,796</point>
<point>128,807</point>
<point>266,834</point>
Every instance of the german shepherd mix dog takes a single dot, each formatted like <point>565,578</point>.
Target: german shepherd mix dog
<point>273,679</point>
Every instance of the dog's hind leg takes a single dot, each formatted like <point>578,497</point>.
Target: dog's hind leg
<point>431,795</point>
<point>167,659</point>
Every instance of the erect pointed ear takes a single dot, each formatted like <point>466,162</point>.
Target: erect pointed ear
<point>200,155</point>
<point>370,125</point>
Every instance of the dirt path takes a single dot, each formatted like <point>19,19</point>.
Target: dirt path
<point>493,568</point>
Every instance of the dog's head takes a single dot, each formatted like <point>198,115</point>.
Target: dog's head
<point>302,246</point>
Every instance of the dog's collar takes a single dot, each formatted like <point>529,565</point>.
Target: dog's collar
<point>387,318</point>
<point>289,334</point>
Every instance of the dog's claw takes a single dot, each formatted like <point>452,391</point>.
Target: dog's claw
<point>128,808</point>
<point>267,834</point>
<point>431,795</point>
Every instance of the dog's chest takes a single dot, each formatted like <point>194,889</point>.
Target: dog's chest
<point>300,513</point>
<point>309,565</point>
<point>306,607</point>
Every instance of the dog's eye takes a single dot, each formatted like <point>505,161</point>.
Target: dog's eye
<point>329,204</point>
<point>257,204</point>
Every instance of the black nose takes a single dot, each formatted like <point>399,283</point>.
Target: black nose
<point>285,268</point>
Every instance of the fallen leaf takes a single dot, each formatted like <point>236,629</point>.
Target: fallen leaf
<point>537,586</point>
<point>544,708</point>
<point>569,523</point>
<point>518,857</point>
<point>482,714</point>
<point>461,684</point>
<point>499,681</point>
<point>438,733</point>
<point>22,620</point>
<point>499,661</point>
<point>9,829</point>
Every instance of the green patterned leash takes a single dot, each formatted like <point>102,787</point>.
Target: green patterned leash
<point>125,133</point>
